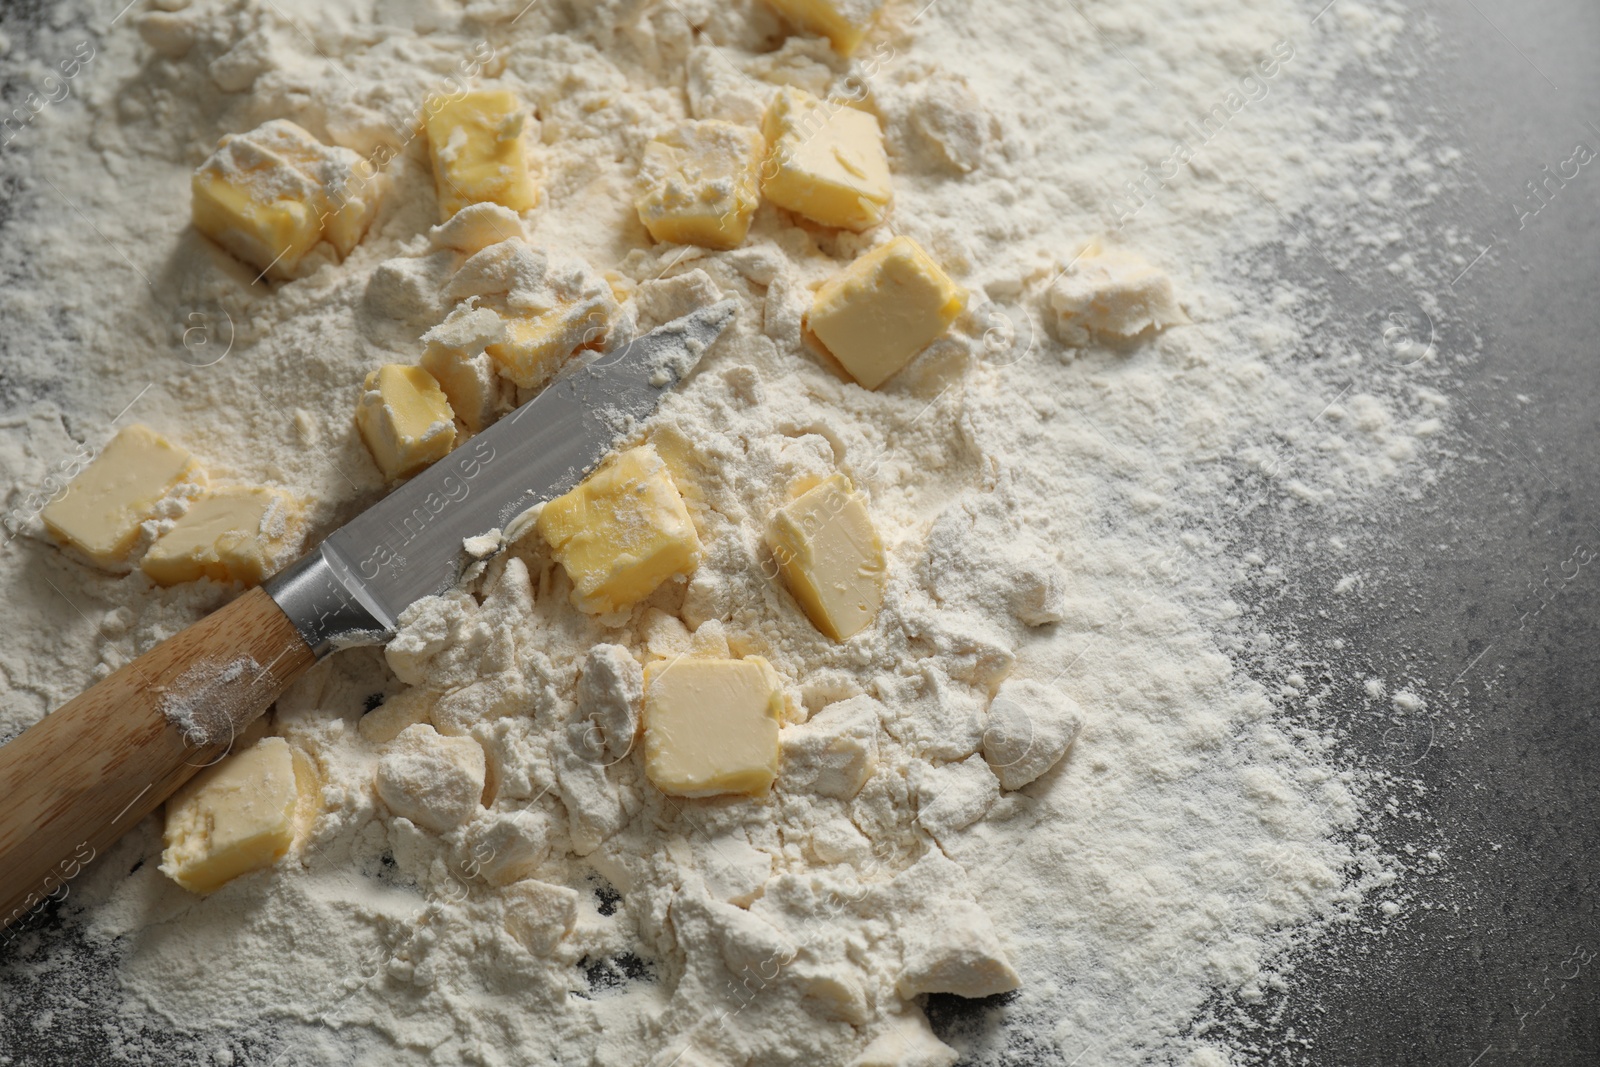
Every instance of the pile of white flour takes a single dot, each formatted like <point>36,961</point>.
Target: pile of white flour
<point>1053,514</point>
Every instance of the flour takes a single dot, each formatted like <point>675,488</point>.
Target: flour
<point>1039,769</point>
<point>207,705</point>
<point>435,782</point>
<point>1112,293</point>
<point>1030,727</point>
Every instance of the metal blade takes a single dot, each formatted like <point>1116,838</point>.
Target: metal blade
<point>409,545</point>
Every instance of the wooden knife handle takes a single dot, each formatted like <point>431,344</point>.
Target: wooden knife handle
<point>85,774</point>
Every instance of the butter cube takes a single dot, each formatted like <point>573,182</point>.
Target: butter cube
<point>104,506</point>
<point>831,559</point>
<point>535,346</point>
<point>405,419</point>
<point>308,792</point>
<point>827,162</point>
<point>843,22</point>
<point>883,309</point>
<point>266,219</point>
<point>347,200</point>
<point>621,533</point>
<point>479,151</point>
<point>550,305</point>
<point>702,184</point>
<point>238,815</point>
<point>238,534</point>
<point>711,726</point>
<point>270,195</point>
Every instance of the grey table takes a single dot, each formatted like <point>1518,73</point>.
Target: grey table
<point>1482,592</point>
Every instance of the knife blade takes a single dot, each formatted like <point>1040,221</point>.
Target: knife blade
<point>353,587</point>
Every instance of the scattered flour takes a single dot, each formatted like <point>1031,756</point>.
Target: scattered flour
<point>1125,829</point>
<point>205,704</point>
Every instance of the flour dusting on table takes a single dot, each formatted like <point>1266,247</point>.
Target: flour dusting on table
<point>1056,481</point>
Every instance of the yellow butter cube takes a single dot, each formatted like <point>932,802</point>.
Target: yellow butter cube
<point>308,792</point>
<point>238,815</point>
<point>826,162</point>
<point>350,189</point>
<point>270,195</point>
<point>702,184</point>
<point>536,346</point>
<point>238,534</point>
<point>830,557</point>
<point>405,419</point>
<point>621,533</point>
<point>102,509</point>
<point>843,22</point>
<point>272,233</point>
<point>479,151</point>
<point>711,725</point>
<point>883,309</point>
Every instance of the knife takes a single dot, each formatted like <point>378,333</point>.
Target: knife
<point>89,771</point>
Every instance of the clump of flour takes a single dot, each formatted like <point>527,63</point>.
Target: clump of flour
<point>1056,517</point>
